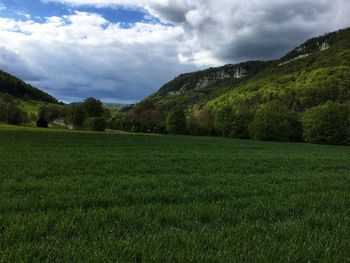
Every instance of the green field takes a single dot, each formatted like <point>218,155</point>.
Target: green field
<point>79,196</point>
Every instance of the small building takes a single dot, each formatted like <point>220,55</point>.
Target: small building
<point>42,123</point>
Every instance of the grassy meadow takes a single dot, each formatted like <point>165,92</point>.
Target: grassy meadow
<point>83,196</point>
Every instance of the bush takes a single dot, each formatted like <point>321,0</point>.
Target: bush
<point>234,122</point>
<point>241,119</point>
<point>201,122</point>
<point>93,107</point>
<point>97,124</point>
<point>176,121</point>
<point>327,124</point>
<point>49,112</point>
<point>223,121</point>
<point>76,115</point>
<point>11,112</point>
<point>15,115</point>
<point>274,122</point>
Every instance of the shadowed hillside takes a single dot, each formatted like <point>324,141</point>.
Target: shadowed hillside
<point>18,88</point>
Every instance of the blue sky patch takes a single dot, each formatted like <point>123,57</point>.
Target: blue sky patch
<point>38,10</point>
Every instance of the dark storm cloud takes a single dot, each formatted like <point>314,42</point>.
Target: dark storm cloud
<point>234,31</point>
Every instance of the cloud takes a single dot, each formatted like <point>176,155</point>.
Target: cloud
<point>2,6</point>
<point>83,54</point>
<point>234,30</point>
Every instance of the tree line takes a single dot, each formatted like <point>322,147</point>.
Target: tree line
<point>327,123</point>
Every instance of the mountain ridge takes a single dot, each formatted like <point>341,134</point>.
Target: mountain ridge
<point>207,87</point>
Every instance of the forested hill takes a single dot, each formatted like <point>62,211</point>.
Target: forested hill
<point>311,74</point>
<point>201,86</point>
<point>19,89</point>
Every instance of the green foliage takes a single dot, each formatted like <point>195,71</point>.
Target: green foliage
<point>15,115</point>
<point>234,122</point>
<point>201,122</point>
<point>298,91</point>
<point>273,122</point>
<point>120,122</point>
<point>18,88</point>
<point>176,121</point>
<point>327,124</point>
<point>100,197</point>
<point>91,114</point>
<point>299,83</point>
<point>11,112</point>
<point>146,116</point>
<point>187,89</point>
<point>77,116</point>
<point>93,107</point>
<point>224,121</point>
<point>50,112</point>
<point>97,124</point>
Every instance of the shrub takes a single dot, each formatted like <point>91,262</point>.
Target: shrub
<point>241,119</point>
<point>76,115</point>
<point>234,122</point>
<point>327,124</point>
<point>15,115</point>
<point>223,121</point>
<point>97,124</point>
<point>11,112</point>
<point>201,122</point>
<point>49,112</point>
<point>93,107</point>
<point>274,122</point>
<point>176,121</point>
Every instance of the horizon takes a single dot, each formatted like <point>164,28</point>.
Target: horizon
<point>122,51</point>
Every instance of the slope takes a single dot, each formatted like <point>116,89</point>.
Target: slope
<point>313,73</point>
<point>18,88</point>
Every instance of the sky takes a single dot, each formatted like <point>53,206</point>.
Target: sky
<point>124,50</point>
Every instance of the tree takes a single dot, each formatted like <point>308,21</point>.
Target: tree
<point>97,124</point>
<point>3,110</point>
<point>201,122</point>
<point>93,107</point>
<point>274,122</point>
<point>205,120</point>
<point>49,112</point>
<point>15,115</point>
<point>77,115</point>
<point>10,111</point>
<point>147,116</point>
<point>176,121</point>
<point>224,121</point>
<point>234,122</point>
<point>327,124</point>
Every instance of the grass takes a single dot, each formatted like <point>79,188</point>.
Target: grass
<point>33,107</point>
<point>80,196</point>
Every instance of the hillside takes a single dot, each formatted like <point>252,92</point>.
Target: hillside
<point>19,89</point>
<point>313,73</point>
<point>201,86</point>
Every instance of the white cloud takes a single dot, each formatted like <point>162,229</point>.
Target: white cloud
<point>233,30</point>
<point>96,57</point>
<point>2,6</point>
<point>84,55</point>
